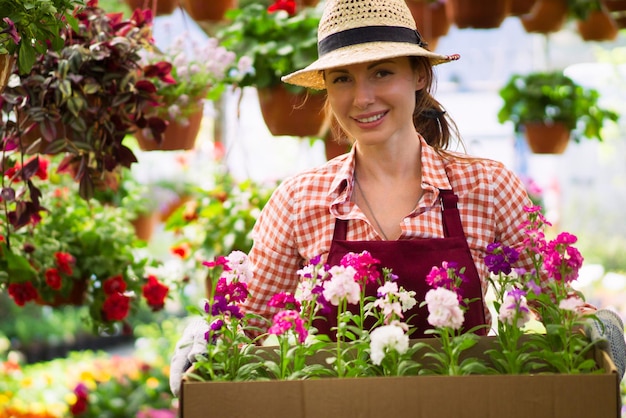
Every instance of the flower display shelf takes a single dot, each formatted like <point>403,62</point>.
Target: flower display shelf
<point>513,396</point>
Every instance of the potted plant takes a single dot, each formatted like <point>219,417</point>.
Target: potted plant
<point>593,20</point>
<point>551,100</point>
<point>431,19</point>
<point>87,97</point>
<point>28,28</point>
<point>78,253</point>
<point>545,16</point>
<point>198,71</point>
<point>479,14</point>
<point>279,39</point>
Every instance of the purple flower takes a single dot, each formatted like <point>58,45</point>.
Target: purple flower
<point>10,29</point>
<point>499,258</point>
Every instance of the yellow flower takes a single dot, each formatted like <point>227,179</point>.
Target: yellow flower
<point>152,382</point>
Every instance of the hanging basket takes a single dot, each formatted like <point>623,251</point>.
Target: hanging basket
<point>431,19</point>
<point>76,296</point>
<point>177,137</point>
<point>599,26</point>
<point>546,16</point>
<point>478,14</point>
<point>6,68</point>
<point>291,114</point>
<point>615,5</point>
<point>159,7</point>
<point>145,224</point>
<point>547,139</point>
<point>521,7</point>
<point>208,10</point>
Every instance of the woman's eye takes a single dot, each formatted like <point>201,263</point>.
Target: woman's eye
<point>340,79</point>
<point>383,73</point>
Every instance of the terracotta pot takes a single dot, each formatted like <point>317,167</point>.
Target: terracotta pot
<point>521,7</point>
<point>479,14</point>
<point>176,136</point>
<point>208,10</point>
<point>615,5</point>
<point>547,139</point>
<point>291,114</point>
<point>6,68</point>
<point>76,296</point>
<point>431,19</point>
<point>620,21</point>
<point>308,3</point>
<point>546,16</point>
<point>162,7</point>
<point>599,26</point>
<point>144,225</point>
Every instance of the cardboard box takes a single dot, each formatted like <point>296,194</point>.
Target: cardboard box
<point>476,396</point>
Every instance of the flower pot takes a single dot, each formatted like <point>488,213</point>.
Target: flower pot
<point>6,68</point>
<point>144,224</point>
<point>431,19</point>
<point>176,136</point>
<point>286,113</point>
<point>479,14</point>
<point>75,297</point>
<point>521,7</point>
<point>615,5</point>
<point>546,16</point>
<point>599,26</point>
<point>547,139</point>
<point>208,10</point>
<point>159,7</point>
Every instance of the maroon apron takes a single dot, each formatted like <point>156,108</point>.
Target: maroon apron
<point>412,260</point>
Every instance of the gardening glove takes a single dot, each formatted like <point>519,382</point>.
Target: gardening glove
<point>191,344</point>
<point>608,331</point>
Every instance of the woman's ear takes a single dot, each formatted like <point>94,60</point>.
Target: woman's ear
<point>420,80</point>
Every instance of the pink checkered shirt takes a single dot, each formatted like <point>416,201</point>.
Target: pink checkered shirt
<point>297,223</point>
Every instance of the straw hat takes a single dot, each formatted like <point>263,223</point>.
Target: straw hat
<point>356,31</point>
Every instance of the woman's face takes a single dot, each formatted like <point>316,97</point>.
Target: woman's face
<point>374,101</point>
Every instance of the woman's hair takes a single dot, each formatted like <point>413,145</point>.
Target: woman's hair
<point>429,118</point>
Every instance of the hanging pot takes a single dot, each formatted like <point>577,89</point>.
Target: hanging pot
<point>286,113</point>
<point>546,16</point>
<point>76,296</point>
<point>159,7</point>
<point>208,10</point>
<point>598,26</point>
<point>479,14</point>
<point>615,5</point>
<point>431,19</point>
<point>176,136</point>
<point>521,7</point>
<point>6,69</point>
<point>145,223</point>
<point>547,139</point>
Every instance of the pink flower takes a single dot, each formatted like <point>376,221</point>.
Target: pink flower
<point>283,321</point>
<point>341,285</point>
<point>572,303</point>
<point>562,261</point>
<point>444,309</point>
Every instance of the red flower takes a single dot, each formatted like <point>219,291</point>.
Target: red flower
<point>64,262</point>
<point>82,394</point>
<point>155,293</point>
<point>115,307</point>
<point>181,250</point>
<point>22,292</point>
<point>162,70</point>
<point>114,284</point>
<point>287,5</point>
<point>53,278</point>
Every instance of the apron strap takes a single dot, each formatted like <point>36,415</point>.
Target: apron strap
<point>451,218</point>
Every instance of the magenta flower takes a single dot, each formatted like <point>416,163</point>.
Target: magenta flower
<point>284,300</point>
<point>562,261</point>
<point>284,321</point>
<point>367,267</point>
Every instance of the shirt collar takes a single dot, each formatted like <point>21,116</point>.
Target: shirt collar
<point>433,167</point>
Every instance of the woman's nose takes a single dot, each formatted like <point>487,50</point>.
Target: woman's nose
<point>363,95</point>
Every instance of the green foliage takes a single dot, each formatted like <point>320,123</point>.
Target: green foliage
<point>553,97</point>
<point>277,43</point>
<point>580,9</point>
<point>38,23</point>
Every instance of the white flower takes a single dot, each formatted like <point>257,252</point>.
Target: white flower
<point>407,299</point>
<point>386,338</point>
<point>443,308</point>
<point>571,304</point>
<point>240,266</point>
<point>341,285</point>
<point>512,307</point>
